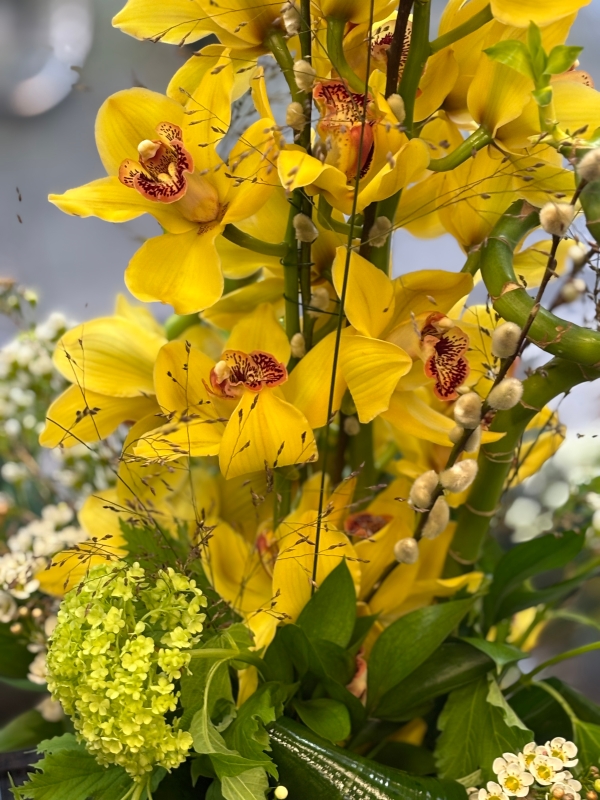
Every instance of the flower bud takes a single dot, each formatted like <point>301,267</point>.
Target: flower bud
<point>421,492</point>
<point>298,345</point>
<point>506,395</point>
<point>555,218</point>
<point>467,410</point>
<point>589,166</point>
<point>505,340</point>
<point>292,19</point>
<point>597,784</point>
<point>591,795</point>
<point>319,301</point>
<point>306,230</point>
<point>280,792</point>
<point>295,117</point>
<point>558,792</point>
<point>438,519</point>
<point>305,75</point>
<point>460,476</point>
<point>406,551</point>
<point>572,290</point>
<point>351,426</point>
<point>396,104</point>
<point>380,230</point>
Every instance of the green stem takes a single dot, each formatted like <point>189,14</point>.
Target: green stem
<point>277,44</point>
<point>470,26</point>
<point>578,651</point>
<point>417,58</point>
<point>335,51</point>
<point>325,211</point>
<point>290,274</point>
<point>497,458</point>
<point>380,256</point>
<point>178,323</point>
<point>478,139</point>
<point>361,456</point>
<point>305,37</point>
<point>559,699</point>
<point>511,301</point>
<point>249,242</point>
<point>471,265</point>
<point>395,52</point>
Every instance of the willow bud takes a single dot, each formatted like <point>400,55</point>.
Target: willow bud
<point>589,166</point>
<point>460,476</point>
<point>506,395</point>
<point>406,551</point>
<point>295,117</point>
<point>298,345</point>
<point>467,410</point>
<point>438,519</point>
<point>292,18</point>
<point>351,426</point>
<point>306,230</point>
<point>305,75</point>
<point>421,492</point>
<point>380,230</point>
<point>555,218</point>
<point>578,254</point>
<point>319,301</point>
<point>396,104</point>
<point>505,340</point>
<point>572,290</point>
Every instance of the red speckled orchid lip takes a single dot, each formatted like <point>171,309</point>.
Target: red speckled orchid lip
<point>160,173</point>
<point>446,363</point>
<point>254,371</point>
<point>365,525</point>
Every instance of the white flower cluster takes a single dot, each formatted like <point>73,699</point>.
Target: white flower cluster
<point>537,766</point>
<point>32,547</point>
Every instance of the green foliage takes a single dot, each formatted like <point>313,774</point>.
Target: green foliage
<point>15,658</point>
<point>587,739</point>
<point>27,730</point>
<point>501,654</point>
<point>407,643</point>
<point>331,612</point>
<point>326,717</point>
<point>477,726</point>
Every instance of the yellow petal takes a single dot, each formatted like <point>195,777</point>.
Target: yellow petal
<point>410,164</point>
<point>187,79</point>
<point>238,263</point>
<point>540,175</point>
<point>210,113</point>
<point>109,355</point>
<point>241,506</point>
<point>521,12</point>
<point>234,306</point>
<point>252,162</point>
<point>197,497</point>
<point>79,415</point>
<point>532,455</point>
<point>99,521</point>
<point>200,436</point>
<point>137,313</point>
<point>260,330</point>
<point>264,429</point>
<point>372,369</point>
<point>205,339</point>
<point>109,199</point>
<point>175,22</point>
<point>339,503</point>
<point>245,19</point>
<point>297,169</point>
<point>370,302</point>
<point>429,290</point>
<point>409,414</point>
<point>355,10</point>
<point>309,383</point>
<point>531,263</point>
<point>127,118</point>
<point>180,376</point>
<point>497,94</point>
<point>181,269</point>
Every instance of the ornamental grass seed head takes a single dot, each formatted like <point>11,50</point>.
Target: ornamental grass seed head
<point>556,218</point>
<point>506,394</point>
<point>505,340</point>
<point>421,492</point>
<point>467,410</point>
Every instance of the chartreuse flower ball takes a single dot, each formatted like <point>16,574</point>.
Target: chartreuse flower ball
<point>122,640</point>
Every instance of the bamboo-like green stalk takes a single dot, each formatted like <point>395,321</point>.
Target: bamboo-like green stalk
<point>470,26</point>
<point>245,240</point>
<point>478,139</point>
<point>335,51</point>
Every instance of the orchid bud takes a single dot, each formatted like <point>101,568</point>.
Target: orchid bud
<point>555,218</point>
<point>505,340</point>
<point>351,426</point>
<point>306,230</point>
<point>572,290</point>
<point>380,231</point>
<point>305,75</point>
<point>298,345</point>
<point>406,551</point>
<point>506,395</point>
<point>280,792</point>
<point>438,519</point>
<point>460,476</point>
<point>467,410</point>
<point>292,18</point>
<point>421,492</point>
<point>396,104</point>
<point>295,117</point>
<point>589,166</point>
<point>319,301</point>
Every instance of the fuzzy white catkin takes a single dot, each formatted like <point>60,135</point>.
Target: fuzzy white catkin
<point>572,290</point>
<point>292,18</point>
<point>396,103</point>
<point>555,218</point>
<point>474,440</point>
<point>589,166</point>
<point>438,519</point>
<point>295,117</point>
<point>306,230</point>
<point>351,426</point>
<point>506,395</point>
<point>578,253</point>
<point>298,345</point>
<point>380,230</point>
<point>406,551</point>
<point>305,75</point>
<point>421,492</point>
<point>460,476</point>
<point>467,410</point>
<point>319,301</point>
<point>505,339</point>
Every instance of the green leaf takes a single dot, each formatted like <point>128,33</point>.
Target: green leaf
<point>325,717</point>
<point>362,626</point>
<point>406,644</point>
<point>15,658</point>
<point>526,560</point>
<point>587,739</point>
<point>247,734</point>
<point>251,785</point>
<point>527,598</point>
<point>561,58</point>
<point>513,54</point>
<point>407,757</point>
<point>330,614</point>
<point>74,774</point>
<point>27,730</point>
<point>502,654</point>
<point>541,713</point>
<point>452,665</point>
<point>477,724</point>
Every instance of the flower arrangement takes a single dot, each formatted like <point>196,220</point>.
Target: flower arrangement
<point>286,580</point>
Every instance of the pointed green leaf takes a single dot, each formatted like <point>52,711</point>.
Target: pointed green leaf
<point>561,59</point>
<point>330,614</point>
<point>250,785</point>
<point>513,54</point>
<point>587,739</point>
<point>502,654</point>
<point>327,718</point>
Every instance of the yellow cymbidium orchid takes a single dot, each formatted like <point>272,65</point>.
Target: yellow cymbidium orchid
<point>521,12</point>
<point>162,160</point>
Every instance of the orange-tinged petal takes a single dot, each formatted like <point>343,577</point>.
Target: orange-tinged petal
<point>181,269</point>
<point>265,430</point>
<point>369,303</point>
<point>260,330</point>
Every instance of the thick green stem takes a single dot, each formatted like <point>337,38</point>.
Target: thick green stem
<point>249,242</point>
<point>478,139</point>
<point>497,458</point>
<point>325,211</point>
<point>578,651</point>
<point>335,51</point>
<point>417,58</point>
<point>380,256</point>
<point>178,323</point>
<point>470,26</point>
<point>277,44</point>
<point>291,275</point>
<point>471,265</point>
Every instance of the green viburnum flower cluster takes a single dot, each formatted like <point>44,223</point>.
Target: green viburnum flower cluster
<point>115,654</point>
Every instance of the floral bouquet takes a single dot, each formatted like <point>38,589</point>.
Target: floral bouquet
<point>285,578</point>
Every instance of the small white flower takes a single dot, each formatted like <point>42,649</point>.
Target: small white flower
<point>12,428</point>
<point>494,792</point>
<point>37,669</point>
<point>8,607</point>
<point>567,784</point>
<point>51,710</point>
<point>564,750</point>
<point>545,769</point>
<point>511,776</point>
